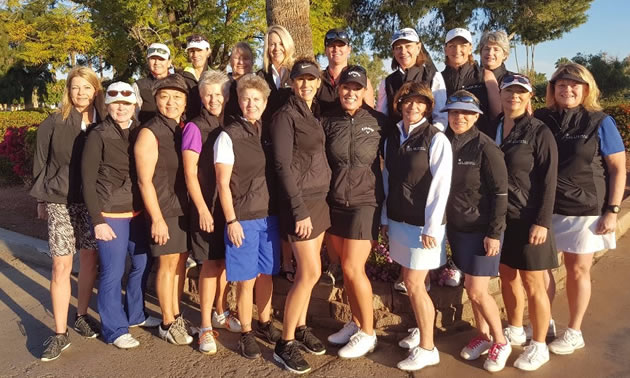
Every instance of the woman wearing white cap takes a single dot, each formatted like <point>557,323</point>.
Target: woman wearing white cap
<point>159,62</point>
<point>115,204</point>
<point>591,180</point>
<point>463,72</point>
<point>529,249</point>
<point>411,63</point>
<point>198,51</point>
<point>57,187</point>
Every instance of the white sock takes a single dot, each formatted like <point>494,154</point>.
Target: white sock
<point>202,330</point>
<point>574,331</point>
<point>516,330</point>
<point>539,344</point>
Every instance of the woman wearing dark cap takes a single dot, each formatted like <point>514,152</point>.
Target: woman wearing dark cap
<point>243,161</point>
<point>463,73</point>
<point>114,203</point>
<point>528,249</point>
<point>162,184</point>
<point>207,222</point>
<point>159,62</point>
<point>417,179</point>
<point>353,141</point>
<point>57,187</point>
<point>411,63</point>
<point>304,175</point>
<point>475,223</point>
<point>241,63</point>
<point>591,180</point>
<point>337,50</point>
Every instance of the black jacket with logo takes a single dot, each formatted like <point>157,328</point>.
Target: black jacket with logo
<point>108,170</point>
<point>253,177</point>
<point>353,144</point>
<point>409,168</point>
<point>299,155</point>
<point>582,173</point>
<point>531,157</point>
<point>57,160</point>
<point>168,178</point>
<point>478,199</point>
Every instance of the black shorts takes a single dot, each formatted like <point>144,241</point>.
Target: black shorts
<point>517,253</point>
<point>178,241</point>
<point>357,223</point>
<point>207,245</point>
<point>320,219</point>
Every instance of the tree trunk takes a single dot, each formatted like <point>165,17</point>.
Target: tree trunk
<point>518,69</point>
<point>533,70</point>
<point>293,15</point>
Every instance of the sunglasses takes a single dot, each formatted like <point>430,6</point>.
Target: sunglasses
<point>196,38</point>
<point>114,93</point>
<point>158,50</point>
<point>465,99</point>
<point>333,35</point>
<point>508,79</point>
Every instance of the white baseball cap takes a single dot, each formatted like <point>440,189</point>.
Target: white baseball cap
<point>159,49</point>
<point>120,91</point>
<point>407,34</point>
<point>197,41</point>
<point>459,32</point>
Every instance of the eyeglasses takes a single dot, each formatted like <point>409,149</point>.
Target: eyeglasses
<point>157,50</point>
<point>336,34</point>
<point>508,79</point>
<point>465,99</point>
<point>196,38</point>
<point>114,93</point>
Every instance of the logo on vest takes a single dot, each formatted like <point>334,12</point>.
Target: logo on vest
<point>576,136</point>
<point>367,129</point>
<point>462,162</point>
<point>518,141</point>
<point>415,149</point>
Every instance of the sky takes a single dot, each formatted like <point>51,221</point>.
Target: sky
<point>606,30</point>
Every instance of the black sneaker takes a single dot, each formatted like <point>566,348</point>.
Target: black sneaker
<point>309,341</point>
<point>55,345</point>
<point>268,332</point>
<point>248,346</point>
<point>86,327</point>
<point>288,354</point>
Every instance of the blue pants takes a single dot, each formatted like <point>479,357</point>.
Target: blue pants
<point>131,240</point>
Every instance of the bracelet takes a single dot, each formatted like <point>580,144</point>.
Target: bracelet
<point>231,221</point>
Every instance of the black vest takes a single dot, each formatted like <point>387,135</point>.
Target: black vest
<point>252,180</point>
<point>168,178</point>
<point>582,173</point>
<point>396,79</point>
<point>409,174</point>
<point>210,128</point>
<point>148,109</point>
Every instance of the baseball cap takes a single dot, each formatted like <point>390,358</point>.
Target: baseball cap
<point>197,41</point>
<point>158,49</point>
<point>462,100</point>
<point>407,34</point>
<point>304,68</point>
<point>458,32</point>
<point>120,91</point>
<point>172,81</point>
<point>354,74</point>
<point>516,79</point>
<point>336,35</point>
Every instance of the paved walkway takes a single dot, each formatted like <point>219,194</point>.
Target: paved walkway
<point>25,321</point>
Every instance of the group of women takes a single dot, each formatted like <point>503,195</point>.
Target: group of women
<point>248,171</point>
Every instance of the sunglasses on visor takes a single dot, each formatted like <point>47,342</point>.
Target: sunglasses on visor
<point>158,50</point>
<point>508,79</point>
<point>465,99</point>
<point>332,35</point>
<point>114,93</point>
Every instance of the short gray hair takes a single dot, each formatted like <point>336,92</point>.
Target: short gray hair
<point>499,38</point>
<point>211,77</point>
<point>252,81</point>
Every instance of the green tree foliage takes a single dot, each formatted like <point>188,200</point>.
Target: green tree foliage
<point>326,15</point>
<point>374,66</point>
<point>142,22</point>
<point>610,73</point>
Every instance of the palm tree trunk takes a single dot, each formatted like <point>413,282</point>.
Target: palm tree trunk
<point>293,15</point>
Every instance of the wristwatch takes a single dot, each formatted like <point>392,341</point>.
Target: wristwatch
<point>615,209</point>
<point>231,221</point>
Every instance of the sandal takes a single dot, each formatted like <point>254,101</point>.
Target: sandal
<point>287,275</point>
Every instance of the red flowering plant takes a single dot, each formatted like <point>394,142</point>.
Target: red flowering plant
<point>17,147</point>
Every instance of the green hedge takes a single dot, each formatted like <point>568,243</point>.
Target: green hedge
<point>621,114</point>
<point>21,118</point>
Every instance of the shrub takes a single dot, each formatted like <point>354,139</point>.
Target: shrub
<point>18,147</point>
<point>621,114</point>
<point>21,118</point>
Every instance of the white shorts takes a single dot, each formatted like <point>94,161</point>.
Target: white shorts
<point>576,234</point>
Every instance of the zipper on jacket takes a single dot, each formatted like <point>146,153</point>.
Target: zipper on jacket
<point>350,155</point>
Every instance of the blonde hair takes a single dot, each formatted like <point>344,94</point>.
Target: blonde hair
<point>252,81</point>
<point>211,77</point>
<point>287,42</point>
<point>590,101</point>
<point>88,75</point>
<point>245,48</point>
<point>499,38</point>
